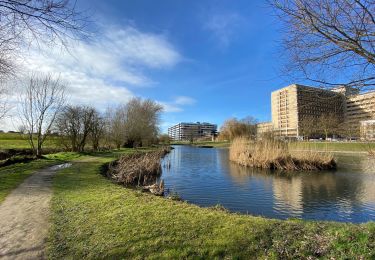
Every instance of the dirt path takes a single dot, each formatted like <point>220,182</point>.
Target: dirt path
<point>24,217</point>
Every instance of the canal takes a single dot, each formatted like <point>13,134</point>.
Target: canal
<point>206,177</point>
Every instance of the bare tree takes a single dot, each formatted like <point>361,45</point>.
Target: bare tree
<point>325,39</point>
<point>4,105</point>
<point>117,119</point>
<point>24,21</point>
<point>142,122</point>
<point>75,124</point>
<point>97,130</point>
<point>328,124</point>
<point>308,126</point>
<point>44,97</point>
<point>234,128</point>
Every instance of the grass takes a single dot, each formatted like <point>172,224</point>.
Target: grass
<point>13,175</point>
<point>276,155</point>
<point>333,146</point>
<point>18,141</point>
<point>94,218</point>
<point>318,146</point>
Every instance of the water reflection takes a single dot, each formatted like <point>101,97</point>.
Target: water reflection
<point>206,177</point>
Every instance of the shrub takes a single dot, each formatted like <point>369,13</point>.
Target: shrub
<point>138,168</point>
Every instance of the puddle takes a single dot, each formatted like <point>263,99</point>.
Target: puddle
<point>61,166</point>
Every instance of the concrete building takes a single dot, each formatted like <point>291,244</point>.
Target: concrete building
<point>367,130</point>
<point>360,108</point>
<point>294,105</point>
<point>264,128</point>
<point>189,131</point>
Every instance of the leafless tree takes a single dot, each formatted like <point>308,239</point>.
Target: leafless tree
<point>44,97</point>
<point>164,139</point>
<point>328,124</point>
<point>234,128</point>
<point>97,130</point>
<point>74,124</point>
<point>4,104</point>
<point>330,42</point>
<point>308,126</point>
<point>117,120</point>
<point>24,21</point>
<point>142,122</point>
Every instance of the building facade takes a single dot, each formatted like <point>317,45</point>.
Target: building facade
<point>191,131</point>
<point>367,130</point>
<point>295,106</point>
<point>264,128</point>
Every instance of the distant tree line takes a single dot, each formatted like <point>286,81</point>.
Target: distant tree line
<point>326,126</point>
<point>44,110</point>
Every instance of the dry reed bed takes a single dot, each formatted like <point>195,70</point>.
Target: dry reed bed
<point>137,168</point>
<point>275,155</point>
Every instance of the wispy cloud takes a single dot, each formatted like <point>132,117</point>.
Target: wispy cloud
<point>184,100</point>
<point>223,26</point>
<point>100,72</point>
<point>178,104</point>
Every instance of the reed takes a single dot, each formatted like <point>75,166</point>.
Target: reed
<point>138,168</point>
<point>276,155</point>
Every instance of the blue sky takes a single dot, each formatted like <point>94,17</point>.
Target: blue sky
<point>202,60</point>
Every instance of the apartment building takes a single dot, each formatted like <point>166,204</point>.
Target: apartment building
<point>295,105</point>
<point>188,131</point>
<point>367,129</point>
<point>359,108</point>
<point>264,128</point>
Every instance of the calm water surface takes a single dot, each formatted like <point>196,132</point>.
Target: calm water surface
<point>206,177</point>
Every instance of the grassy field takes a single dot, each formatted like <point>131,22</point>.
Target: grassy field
<point>13,175</point>
<point>333,146</point>
<point>320,146</point>
<point>94,218</point>
<point>18,141</point>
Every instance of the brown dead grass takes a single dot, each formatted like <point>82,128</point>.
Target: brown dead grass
<point>275,155</point>
<point>137,169</point>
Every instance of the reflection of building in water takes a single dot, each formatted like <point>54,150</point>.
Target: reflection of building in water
<point>368,187</point>
<point>288,194</point>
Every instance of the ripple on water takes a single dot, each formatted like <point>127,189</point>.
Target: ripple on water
<point>207,178</point>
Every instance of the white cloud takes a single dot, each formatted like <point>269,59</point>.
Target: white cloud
<point>183,100</point>
<point>170,107</point>
<point>177,104</point>
<point>99,72</point>
<point>223,26</point>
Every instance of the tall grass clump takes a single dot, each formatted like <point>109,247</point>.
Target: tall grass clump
<point>137,168</point>
<point>276,155</point>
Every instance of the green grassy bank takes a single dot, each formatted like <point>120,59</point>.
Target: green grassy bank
<point>318,146</point>
<point>13,175</point>
<point>19,141</point>
<point>94,218</point>
<point>333,146</point>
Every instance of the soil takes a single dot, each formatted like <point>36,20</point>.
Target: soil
<point>24,217</point>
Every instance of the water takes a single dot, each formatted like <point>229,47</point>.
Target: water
<point>206,177</point>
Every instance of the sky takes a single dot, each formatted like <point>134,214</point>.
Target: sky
<point>202,60</point>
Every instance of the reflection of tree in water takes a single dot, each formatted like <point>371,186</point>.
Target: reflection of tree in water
<point>240,174</point>
<point>368,164</point>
